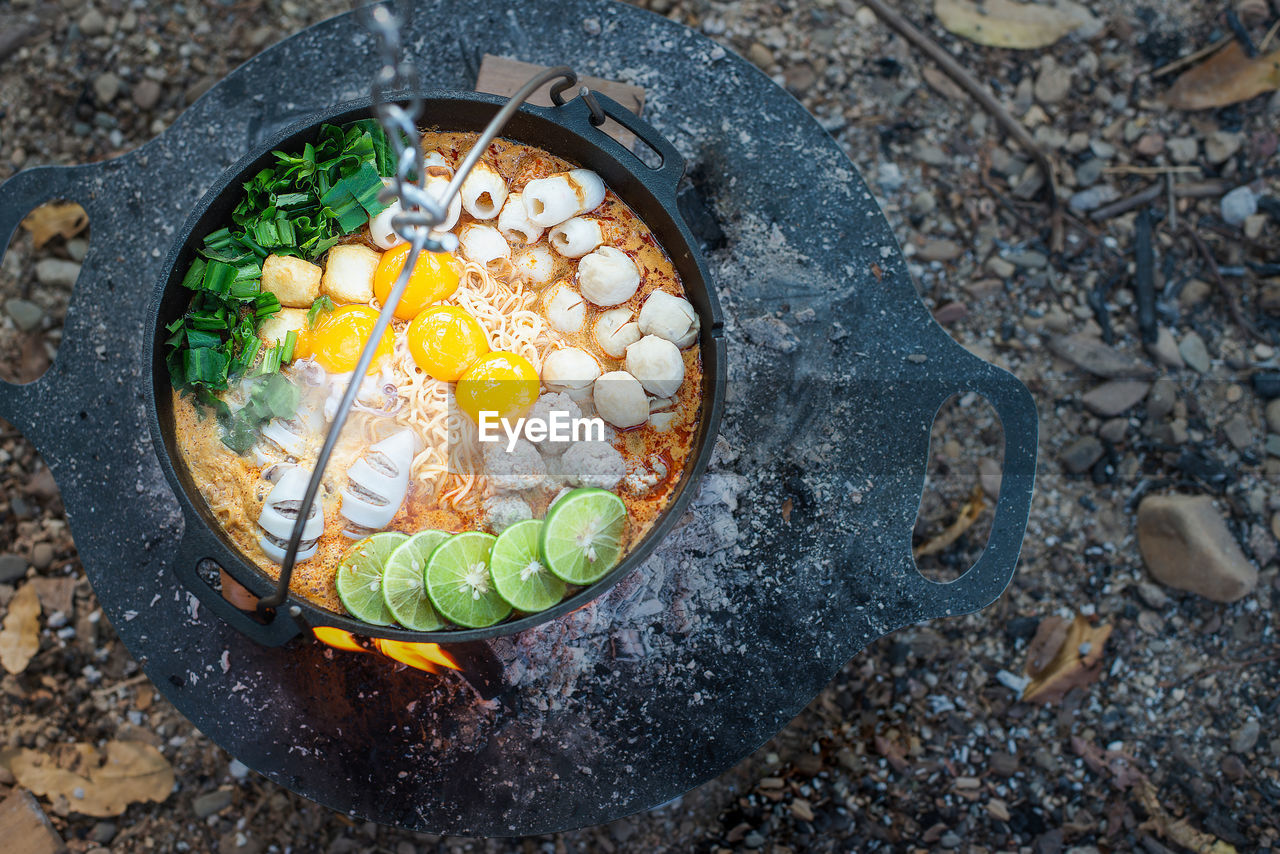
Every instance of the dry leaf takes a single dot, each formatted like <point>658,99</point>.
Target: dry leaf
<point>969,513</point>
<point>1227,77</point>
<point>1180,831</point>
<point>20,639</point>
<point>55,218</point>
<point>92,783</point>
<point>1005,23</point>
<point>1077,663</point>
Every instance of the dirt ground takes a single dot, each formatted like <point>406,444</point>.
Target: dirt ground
<point>1162,741</point>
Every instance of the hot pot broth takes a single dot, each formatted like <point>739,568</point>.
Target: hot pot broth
<point>526,295</point>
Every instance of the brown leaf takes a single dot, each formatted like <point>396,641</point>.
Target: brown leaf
<point>1005,23</point>
<point>53,219</point>
<point>1051,634</point>
<point>1077,663</point>
<point>20,638</point>
<point>786,510</point>
<point>969,513</point>
<point>1227,77</point>
<point>1178,831</point>
<point>90,782</point>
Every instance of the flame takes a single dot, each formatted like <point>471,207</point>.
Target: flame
<point>429,657</point>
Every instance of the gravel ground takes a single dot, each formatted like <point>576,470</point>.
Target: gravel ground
<point>922,742</point>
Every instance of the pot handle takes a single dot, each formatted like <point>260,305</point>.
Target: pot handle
<point>197,545</point>
<point>583,111</point>
<point>983,582</point>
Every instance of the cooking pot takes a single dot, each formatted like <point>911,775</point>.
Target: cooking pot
<point>648,186</point>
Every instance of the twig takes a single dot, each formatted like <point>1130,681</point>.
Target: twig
<point>1190,58</point>
<point>1171,199</point>
<point>1144,287</point>
<point>1147,170</point>
<point>116,686</point>
<point>985,99</point>
<point>1228,292</point>
<point>1241,32</point>
<point>969,513</point>
<point>1231,665</point>
<point>1196,190</point>
<point>1271,33</point>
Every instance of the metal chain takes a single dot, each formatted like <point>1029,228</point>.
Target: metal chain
<point>417,222</point>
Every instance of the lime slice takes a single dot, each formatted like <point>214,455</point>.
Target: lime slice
<point>458,581</point>
<point>582,535</point>
<point>519,575</point>
<point>359,579</point>
<point>403,589</point>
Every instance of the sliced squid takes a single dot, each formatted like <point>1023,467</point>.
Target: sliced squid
<point>280,511</point>
<point>657,364</point>
<point>536,265</point>
<point>554,199</point>
<point>608,276</point>
<point>616,331</point>
<point>575,237</point>
<point>514,222</point>
<point>483,244</point>
<point>376,484</point>
<point>571,370</point>
<point>564,307</point>
<point>669,317</point>
<point>620,399</point>
<point>483,192</point>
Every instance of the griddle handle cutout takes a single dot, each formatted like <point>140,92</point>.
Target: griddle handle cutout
<point>196,547</point>
<point>983,583</point>
<point>662,179</point>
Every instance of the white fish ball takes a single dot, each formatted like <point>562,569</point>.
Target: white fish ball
<point>656,363</point>
<point>669,317</point>
<point>620,399</point>
<point>483,244</point>
<point>608,276</point>
<point>571,370</point>
<point>564,307</point>
<point>615,331</point>
<point>575,237</point>
<point>536,265</point>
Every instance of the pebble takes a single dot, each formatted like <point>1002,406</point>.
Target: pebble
<point>106,86</point>
<point>1093,198</point>
<point>1253,225</point>
<point>800,78</point>
<point>207,804</point>
<point>950,840</point>
<point>1029,259</point>
<point>999,267</point>
<point>990,475</point>
<point>103,832</point>
<point>77,248</point>
<point>42,555</point>
<point>1053,83</point>
<point>1149,145</point>
<point>927,152</point>
<point>1245,739</point>
<point>890,178</point>
<point>1195,291</point>
<point>146,94</point>
<point>923,203</point>
<point>1238,205</point>
<point>1102,149</point>
<point>1092,355</point>
<point>26,315</point>
<point>1238,432</point>
<point>1186,545</point>
<point>1221,145</point>
<point>12,567</point>
<point>1152,596</point>
<point>1088,172</point>
<point>1273,444</point>
<point>940,250</point>
<point>1194,353</point>
<point>753,840</point>
<point>769,331</point>
<point>1266,384</point>
<point>1113,429</point>
<point>92,23</point>
<point>1182,149</point>
<point>1080,455</point>
<point>1115,397</point>
<point>1165,349</point>
<point>57,273</point>
<point>1272,413</point>
<point>1233,768</point>
<point>760,56</point>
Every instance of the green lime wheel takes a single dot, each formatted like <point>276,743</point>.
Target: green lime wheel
<point>359,579</point>
<point>582,535</point>
<point>459,584</point>
<point>404,590</point>
<point>519,575</point>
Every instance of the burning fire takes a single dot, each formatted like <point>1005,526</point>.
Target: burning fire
<point>430,657</point>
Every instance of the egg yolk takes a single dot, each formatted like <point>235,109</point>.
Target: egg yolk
<point>444,341</point>
<point>499,382</point>
<point>434,277</point>
<point>340,335</point>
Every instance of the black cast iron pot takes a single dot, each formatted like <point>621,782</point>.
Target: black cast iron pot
<point>565,131</point>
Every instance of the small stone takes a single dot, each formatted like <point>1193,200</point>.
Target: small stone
<point>940,250</point>
<point>1080,455</point>
<point>1115,397</point>
<point>207,804</point>
<point>102,832</point>
<point>999,267</point>
<point>1053,83</point>
<point>760,56</point>
<point>1275,525</point>
<point>26,315</point>
<point>1091,354</point>
<point>106,86</point>
<point>1093,198</point>
<point>1113,429</point>
<point>1194,292</point>
<point>990,475</point>
<point>1186,545</point>
<point>1194,353</point>
<point>1165,349</point>
<point>92,23</point>
<point>1221,145</point>
<point>1273,444</point>
<point>923,203</point>
<point>1102,149</point>
<point>57,273</point>
<point>1149,145</point>
<point>77,248</point>
<point>1233,768</point>
<point>1266,384</point>
<point>753,840</point>
<point>42,555</point>
<point>12,567</point>
<point>1238,205</point>
<point>1029,184</point>
<point>800,78</point>
<point>1238,432</point>
<point>1253,225</point>
<point>146,94</point>
<point>1029,259</point>
<point>927,152</point>
<point>1004,764</point>
<point>950,840</point>
<point>1182,149</point>
<point>1245,739</point>
<point>1152,596</point>
<point>1272,413</point>
<point>1088,172</point>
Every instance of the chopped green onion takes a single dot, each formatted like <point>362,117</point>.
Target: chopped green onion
<point>290,342</point>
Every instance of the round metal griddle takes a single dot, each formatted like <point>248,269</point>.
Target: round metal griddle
<point>835,373</point>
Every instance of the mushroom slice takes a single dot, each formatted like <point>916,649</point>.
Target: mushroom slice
<point>483,192</point>
<point>564,307</point>
<point>575,237</point>
<point>280,512</point>
<point>615,331</point>
<point>514,222</point>
<point>571,370</point>
<point>657,364</point>
<point>669,317</point>
<point>554,199</point>
<point>483,244</point>
<point>377,483</point>
<point>620,399</point>
<point>535,264</point>
<point>608,276</point>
